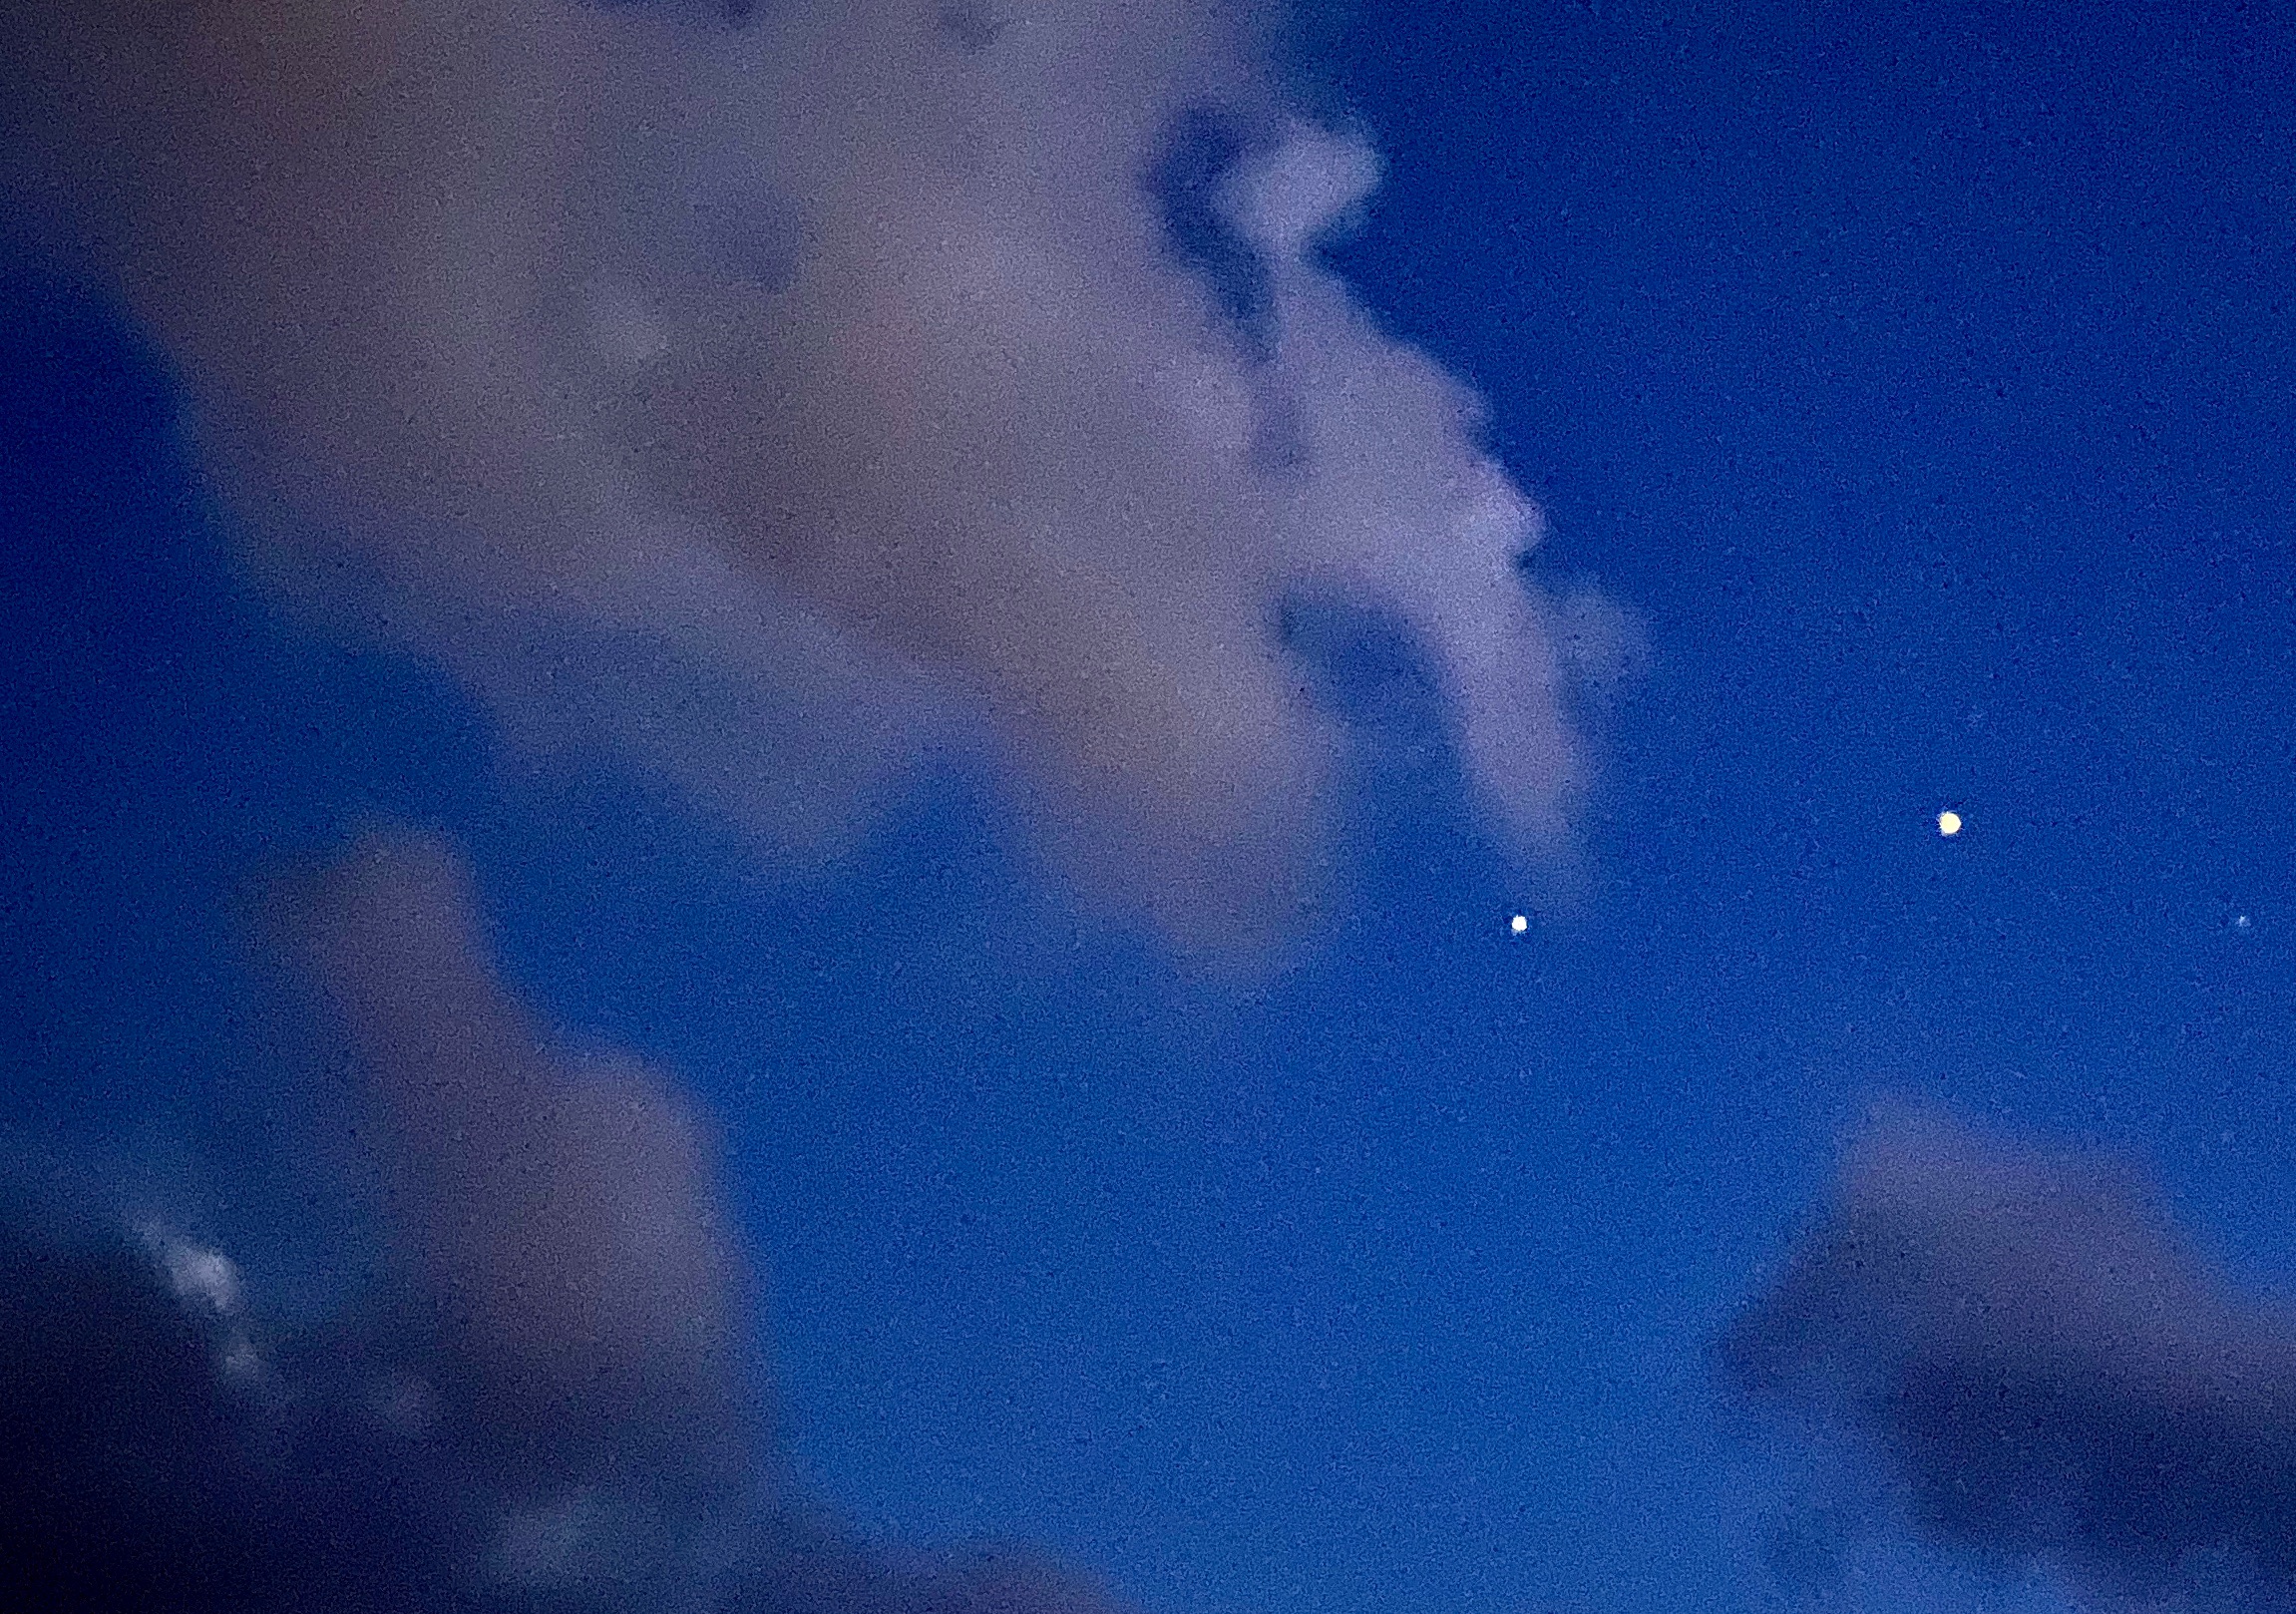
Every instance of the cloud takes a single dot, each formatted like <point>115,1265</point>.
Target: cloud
<point>2051,1369</point>
<point>771,392</point>
<point>548,1404</point>
<point>135,1475</point>
<point>563,1211</point>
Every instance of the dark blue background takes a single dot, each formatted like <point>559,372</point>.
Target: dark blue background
<point>1922,378</point>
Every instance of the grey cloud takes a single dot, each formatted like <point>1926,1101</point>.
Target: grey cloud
<point>2052,1369</point>
<point>770,400</point>
<point>134,1475</point>
<point>545,1403</point>
<point>562,1213</point>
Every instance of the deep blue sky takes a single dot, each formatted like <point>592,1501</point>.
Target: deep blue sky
<point>1921,377</point>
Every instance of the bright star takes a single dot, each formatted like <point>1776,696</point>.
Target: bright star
<point>1949,822</point>
<point>1519,924</point>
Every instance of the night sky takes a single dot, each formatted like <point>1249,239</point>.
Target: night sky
<point>1908,392</point>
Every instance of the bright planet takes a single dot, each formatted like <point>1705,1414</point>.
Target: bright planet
<point>1949,822</point>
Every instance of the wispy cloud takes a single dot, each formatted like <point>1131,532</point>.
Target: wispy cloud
<point>765,394</point>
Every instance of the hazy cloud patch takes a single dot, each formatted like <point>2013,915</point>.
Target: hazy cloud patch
<point>547,1399</point>
<point>2047,1364</point>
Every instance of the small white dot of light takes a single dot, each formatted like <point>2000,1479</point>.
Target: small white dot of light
<point>1519,924</point>
<point>1949,822</point>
